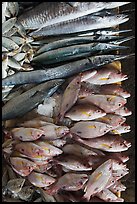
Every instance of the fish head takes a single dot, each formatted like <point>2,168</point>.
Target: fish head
<point>62,131</point>
<point>118,76</point>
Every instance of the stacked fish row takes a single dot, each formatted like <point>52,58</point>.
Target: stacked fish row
<point>69,147</point>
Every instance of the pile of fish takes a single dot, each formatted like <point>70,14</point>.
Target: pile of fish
<point>64,109</point>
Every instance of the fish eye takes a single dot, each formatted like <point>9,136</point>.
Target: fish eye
<point>119,104</point>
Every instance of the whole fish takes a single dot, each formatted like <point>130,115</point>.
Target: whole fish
<point>50,13</point>
<point>40,180</point>
<point>15,185</point>
<point>28,100</point>
<point>98,179</point>
<point>90,129</point>
<point>107,76</point>
<point>75,41</point>
<point>107,143</point>
<point>109,196</point>
<point>71,90</point>
<point>62,71</point>
<point>26,134</point>
<point>113,120</point>
<point>87,112</point>
<point>69,182</point>
<point>123,128</point>
<point>75,52</point>
<point>108,103</point>
<point>123,111</point>
<point>22,166</point>
<point>74,163</point>
<point>79,25</point>
<point>52,131</point>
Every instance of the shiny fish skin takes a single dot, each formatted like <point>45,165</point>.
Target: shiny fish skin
<point>87,74</point>
<point>123,111</point>
<point>28,100</point>
<point>71,90</point>
<point>62,71</point>
<point>90,129</point>
<point>35,123</point>
<point>26,134</point>
<point>108,103</point>
<point>98,179</point>
<point>53,13</point>
<point>87,112</point>
<point>78,25</point>
<point>75,52</point>
<point>117,186</point>
<point>15,185</point>
<point>107,143</point>
<point>22,166</point>
<point>7,25</point>
<point>123,128</point>
<point>9,44</point>
<point>69,182</point>
<point>40,180</point>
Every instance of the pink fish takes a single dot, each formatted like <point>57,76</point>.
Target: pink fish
<point>87,74</point>
<point>40,180</point>
<point>119,169</point>
<point>123,111</point>
<point>117,187</point>
<point>120,156</point>
<point>123,128</point>
<point>90,129</point>
<point>58,142</point>
<point>26,134</point>
<point>87,112</point>
<point>108,103</point>
<point>70,96</point>
<point>22,166</point>
<point>108,143</point>
<point>98,179</point>
<point>69,182</point>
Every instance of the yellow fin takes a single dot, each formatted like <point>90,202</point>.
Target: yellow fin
<point>91,126</point>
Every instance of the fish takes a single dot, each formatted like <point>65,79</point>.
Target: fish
<point>26,193</point>
<point>75,52</point>
<point>58,142</point>
<point>123,128</point>
<point>118,169</point>
<point>107,143</point>
<point>79,25</point>
<point>123,111</point>
<point>9,44</point>
<point>52,131</point>
<point>74,163</point>
<point>109,196</point>
<point>34,123</point>
<point>107,76</point>
<point>108,103</point>
<point>22,166</point>
<point>69,41</point>
<point>26,134</point>
<point>46,197</point>
<point>71,90</point>
<point>113,120</point>
<point>117,186</point>
<point>90,129</point>
<point>40,180</point>
<point>98,179</point>
<point>7,25</point>
<point>28,100</point>
<point>120,156</point>
<point>62,71</point>
<point>87,112</point>
<point>59,12</point>
<point>68,182</point>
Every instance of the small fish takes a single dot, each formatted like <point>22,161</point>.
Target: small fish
<point>58,142</point>
<point>87,112</point>
<point>9,44</point>
<point>7,25</point>
<point>98,179</point>
<point>46,197</point>
<point>117,186</point>
<point>113,120</point>
<point>119,169</point>
<point>71,90</point>
<point>123,128</point>
<point>40,180</point>
<point>108,103</point>
<point>108,196</point>
<point>74,163</point>
<point>15,185</point>
<point>90,129</point>
<point>52,131</point>
<point>62,71</point>
<point>120,156</point>
<point>123,111</point>
<point>69,182</point>
<point>26,134</point>
<point>22,166</point>
<point>26,193</point>
<point>107,143</point>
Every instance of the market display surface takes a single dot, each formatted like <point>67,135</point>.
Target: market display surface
<point>64,108</point>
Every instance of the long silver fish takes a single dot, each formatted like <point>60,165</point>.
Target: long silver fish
<point>62,71</point>
<point>28,100</point>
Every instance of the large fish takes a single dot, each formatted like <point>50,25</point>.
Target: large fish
<point>28,100</point>
<point>90,129</point>
<point>62,71</point>
<point>48,13</point>
<point>98,179</point>
<point>86,112</point>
